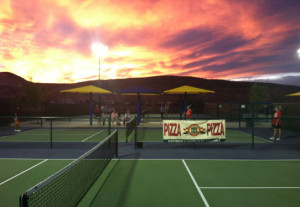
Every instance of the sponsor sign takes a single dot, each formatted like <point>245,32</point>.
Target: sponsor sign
<point>194,130</point>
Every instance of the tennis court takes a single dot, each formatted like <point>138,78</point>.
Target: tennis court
<point>58,135</point>
<point>200,183</point>
<point>128,182</point>
<point>157,174</point>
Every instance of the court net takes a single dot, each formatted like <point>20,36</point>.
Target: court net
<point>131,127</point>
<point>69,185</point>
<point>38,130</point>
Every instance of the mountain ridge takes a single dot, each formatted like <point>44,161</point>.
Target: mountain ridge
<point>225,91</point>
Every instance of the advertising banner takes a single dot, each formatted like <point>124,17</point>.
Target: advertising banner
<point>194,130</point>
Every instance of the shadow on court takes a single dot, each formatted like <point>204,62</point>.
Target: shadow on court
<point>124,183</point>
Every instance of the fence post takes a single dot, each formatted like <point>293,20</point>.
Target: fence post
<point>50,133</point>
<point>135,136</point>
<point>240,115</point>
<point>126,132</point>
<point>117,142</point>
<point>252,146</point>
<point>109,125</point>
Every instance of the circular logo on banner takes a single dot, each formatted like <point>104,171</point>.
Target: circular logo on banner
<point>195,129</point>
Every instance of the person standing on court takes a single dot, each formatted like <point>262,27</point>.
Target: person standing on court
<point>166,110</point>
<point>114,117</point>
<point>96,110</point>
<point>188,113</point>
<point>16,119</point>
<point>276,123</point>
<point>126,117</point>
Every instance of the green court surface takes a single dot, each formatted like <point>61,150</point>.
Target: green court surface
<point>200,183</point>
<point>18,175</point>
<point>168,182</point>
<point>59,135</point>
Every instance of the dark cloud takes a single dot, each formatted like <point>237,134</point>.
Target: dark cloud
<point>275,7</point>
<point>292,40</point>
<point>64,28</point>
<point>289,80</point>
<point>203,62</point>
<point>281,68</point>
<point>129,36</point>
<point>226,44</point>
<point>271,58</point>
<point>189,38</point>
<point>286,80</point>
<point>268,64</point>
<point>214,44</point>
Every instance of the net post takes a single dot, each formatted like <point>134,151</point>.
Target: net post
<point>23,200</point>
<point>51,133</point>
<point>20,201</point>
<point>135,134</point>
<point>240,115</point>
<point>117,143</point>
<point>126,132</point>
<point>252,145</point>
<point>109,125</point>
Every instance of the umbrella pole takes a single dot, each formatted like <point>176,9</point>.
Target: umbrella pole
<point>91,109</point>
<point>185,101</point>
<point>180,107</point>
<point>138,109</point>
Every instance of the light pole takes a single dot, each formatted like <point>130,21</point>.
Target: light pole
<point>99,50</point>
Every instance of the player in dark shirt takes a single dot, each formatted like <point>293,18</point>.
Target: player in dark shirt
<point>17,120</point>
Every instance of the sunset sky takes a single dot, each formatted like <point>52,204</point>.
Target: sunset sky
<point>51,40</point>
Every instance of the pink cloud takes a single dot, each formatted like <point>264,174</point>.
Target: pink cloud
<point>208,39</point>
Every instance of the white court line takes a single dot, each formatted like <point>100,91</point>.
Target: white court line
<point>254,135</point>
<point>33,159</point>
<point>33,134</point>
<point>225,160</point>
<point>23,172</point>
<point>248,160</point>
<point>55,134</point>
<point>91,136</point>
<point>250,187</point>
<point>196,185</point>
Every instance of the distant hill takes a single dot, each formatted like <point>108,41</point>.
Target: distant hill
<point>12,87</point>
<point>226,91</point>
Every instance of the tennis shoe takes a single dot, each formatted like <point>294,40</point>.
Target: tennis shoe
<point>278,139</point>
<point>271,138</point>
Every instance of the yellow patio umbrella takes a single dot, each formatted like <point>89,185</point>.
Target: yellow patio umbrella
<point>294,94</point>
<point>90,89</point>
<point>187,90</point>
<point>184,90</point>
